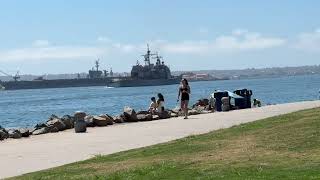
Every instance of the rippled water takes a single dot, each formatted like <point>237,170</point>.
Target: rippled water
<point>27,107</point>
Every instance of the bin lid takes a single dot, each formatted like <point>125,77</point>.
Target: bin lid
<point>233,95</point>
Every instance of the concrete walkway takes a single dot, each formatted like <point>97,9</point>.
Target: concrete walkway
<point>45,151</point>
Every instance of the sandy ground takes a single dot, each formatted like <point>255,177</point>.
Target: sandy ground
<point>50,150</point>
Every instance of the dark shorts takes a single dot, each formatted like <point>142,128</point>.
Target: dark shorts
<point>185,97</point>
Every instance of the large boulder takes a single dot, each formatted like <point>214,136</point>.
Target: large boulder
<point>193,112</point>
<point>130,115</point>
<point>143,112</point>
<point>100,121</point>
<point>40,125</point>
<point>79,115</point>
<point>176,112</point>
<point>164,114</point>
<point>202,102</point>
<point>68,121</point>
<point>14,133</point>
<point>42,130</point>
<point>89,121</point>
<point>119,119</point>
<point>3,133</point>
<point>56,124</point>
<point>24,132</point>
<point>144,117</point>
<point>108,118</point>
<point>53,116</point>
<point>155,117</point>
<point>80,126</point>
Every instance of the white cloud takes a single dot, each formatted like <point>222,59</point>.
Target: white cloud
<point>309,41</point>
<point>52,52</point>
<point>239,32</point>
<point>239,40</point>
<point>203,30</point>
<point>39,43</point>
<point>103,39</point>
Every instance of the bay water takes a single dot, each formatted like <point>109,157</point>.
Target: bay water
<point>25,108</point>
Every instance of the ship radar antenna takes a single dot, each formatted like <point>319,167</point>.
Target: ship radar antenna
<point>148,56</point>
<point>17,76</point>
<point>97,64</point>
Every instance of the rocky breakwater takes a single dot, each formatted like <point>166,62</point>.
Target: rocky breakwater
<point>80,121</point>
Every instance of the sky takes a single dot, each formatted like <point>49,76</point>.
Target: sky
<point>53,37</point>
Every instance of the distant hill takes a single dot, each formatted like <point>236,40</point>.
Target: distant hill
<point>227,74</point>
<point>258,73</point>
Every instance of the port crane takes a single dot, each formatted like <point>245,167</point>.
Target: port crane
<point>16,77</point>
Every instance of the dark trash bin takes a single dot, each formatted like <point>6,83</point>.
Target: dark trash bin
<point>218,95</point>
<point>247,97</point>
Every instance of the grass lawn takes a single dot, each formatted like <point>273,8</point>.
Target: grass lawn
<point>282,147</point>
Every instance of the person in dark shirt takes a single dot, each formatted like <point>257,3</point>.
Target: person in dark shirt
<point>184,92</point>
<point>160,103</point>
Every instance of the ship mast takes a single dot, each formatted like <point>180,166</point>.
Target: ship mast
<point>97,64</point>
<point>147,56</point>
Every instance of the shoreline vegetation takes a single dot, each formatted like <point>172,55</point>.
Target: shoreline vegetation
<point>280,147</point>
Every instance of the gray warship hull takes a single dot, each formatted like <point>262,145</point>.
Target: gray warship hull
<point>144,82</point>
<point>57,83</point>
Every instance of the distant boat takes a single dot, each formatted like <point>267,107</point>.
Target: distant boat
<point>148,74</point>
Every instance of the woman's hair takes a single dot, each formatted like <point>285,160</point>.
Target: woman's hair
<point>153,99</point>
<point>160,96</point>
<point>186,81</point>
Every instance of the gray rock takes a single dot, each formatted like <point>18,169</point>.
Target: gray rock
<point>155,117</point>
<point>54,129</point>
<point>130,115</point>
<point>31,130</point>
<point>89,121</point>
<point>108,118</point>
<point>119,119</point>
<point>40,125</point>
<point>58,123</point>
<point>14,133</point>
<point>144,117</point>
<point>80,126</point>
<point>79,115</point>
<point>42,130</point>
<point>3,134</point>
<point>53,116</point>
<point>174,114</point>
<point>68,121</point>
<point>24,132</point>
<point>193,112</point>
<point>102,120</point>
<point>164,114</point>
<point>143,112</point>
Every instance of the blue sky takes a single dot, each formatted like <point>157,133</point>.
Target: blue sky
<point>61,36</point>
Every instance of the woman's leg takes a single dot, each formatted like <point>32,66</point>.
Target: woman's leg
<point>182,105</point>
<point>186,102</point>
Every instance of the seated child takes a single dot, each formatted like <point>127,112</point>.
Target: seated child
<point>153,105</point>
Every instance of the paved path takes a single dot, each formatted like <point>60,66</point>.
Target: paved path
<point>50,150</point>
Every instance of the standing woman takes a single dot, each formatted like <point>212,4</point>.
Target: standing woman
<point>184,91</point>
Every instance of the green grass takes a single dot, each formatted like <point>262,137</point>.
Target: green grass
<point>282,147</point>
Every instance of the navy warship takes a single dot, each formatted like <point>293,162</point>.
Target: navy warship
<point>95,77</point>
<point>148,74</point>
<point>141,75</point>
